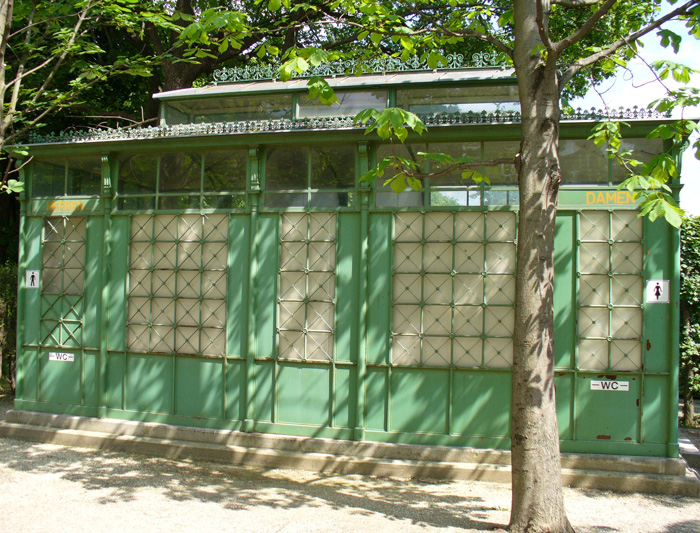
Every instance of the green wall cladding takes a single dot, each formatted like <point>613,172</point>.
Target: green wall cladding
<point>421,404</point>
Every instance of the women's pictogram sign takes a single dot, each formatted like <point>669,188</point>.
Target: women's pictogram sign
<point>658,291</point>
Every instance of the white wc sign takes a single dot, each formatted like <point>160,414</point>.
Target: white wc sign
<point>61,356</point>
<point>658,291</point>
<point>622,386</point>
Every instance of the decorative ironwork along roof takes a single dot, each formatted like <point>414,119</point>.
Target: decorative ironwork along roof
<point>323,123</point>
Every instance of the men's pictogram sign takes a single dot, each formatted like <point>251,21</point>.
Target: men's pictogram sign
<point>32,279</point>
<point>658,291</point>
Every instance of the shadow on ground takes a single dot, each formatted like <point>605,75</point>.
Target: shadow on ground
<point>121,476</point>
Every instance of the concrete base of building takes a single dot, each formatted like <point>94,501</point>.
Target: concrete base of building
<point>608,472</point>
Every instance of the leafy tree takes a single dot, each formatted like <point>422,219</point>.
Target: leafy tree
<point>551,44</point>
<point>690,314</point>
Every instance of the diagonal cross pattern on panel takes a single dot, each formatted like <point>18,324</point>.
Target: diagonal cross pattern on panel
<point>178,284</point>
<point>306,306</point>
<point>453,287</point>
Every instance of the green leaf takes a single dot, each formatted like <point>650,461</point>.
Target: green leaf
<point>274,5</point>
<point>398,183</point>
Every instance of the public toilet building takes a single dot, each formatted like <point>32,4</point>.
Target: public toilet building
<point>227,269</point>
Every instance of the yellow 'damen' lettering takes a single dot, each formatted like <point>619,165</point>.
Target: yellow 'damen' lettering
<point>619,197</point>
<point>66,205</point>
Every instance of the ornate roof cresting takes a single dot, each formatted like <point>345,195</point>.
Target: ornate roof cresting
<point>375,66</point>
<point>322,123</point>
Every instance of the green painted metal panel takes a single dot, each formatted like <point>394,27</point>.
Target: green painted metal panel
<point>380,269</point>
<point>376,402</point>
<point>149,383</point>
<point>607,414</point>
<point>27,387</point>
<point>116,368</point>
<point>564,291</point>
<point>264,392</point>
<point>481,403</point>
<point>32,304</point>
<point>655,408</point>
<point>344,397</point>
<point>658,265</point>
<point>347,289</point>
<point>115,335</point>
<point>93,282</point>
<point>304,394</point>
<point>60,380</point>
<point>199,387</point>
<point>266,286</point>
<point>564,385</point>
<point>91,376</point>
<point>419,400</point>
<point>235,390</point>
<point>237,304</point>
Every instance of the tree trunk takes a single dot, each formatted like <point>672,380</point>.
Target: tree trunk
<point>538,501</point>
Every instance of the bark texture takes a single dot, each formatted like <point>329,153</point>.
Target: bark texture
<point>538,502</point>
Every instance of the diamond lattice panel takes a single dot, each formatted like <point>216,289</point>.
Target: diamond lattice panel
<point>446,282</point>
<point>306,309</point>
<point>63,273</point>
<point>177,284</point>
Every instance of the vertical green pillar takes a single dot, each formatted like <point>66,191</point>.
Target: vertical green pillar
<point>22,266</point>
<point>672,448</point>
<point>254,196</point>
<point>364,193</point>
<point>106,283</point>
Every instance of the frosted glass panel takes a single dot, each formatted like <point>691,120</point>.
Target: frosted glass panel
<point>469,226</point>
<point>306,312</point>
<point>437,288</point>
<point>188,287</point>
<point>437,351</point>
<point>405,350</point>
<point>439,227</point>
<point>468,320</point>
<point>500,226</point>
<point>626,355</point>
<point>469,258</point>
<point>500,289</point>
<point>627,257</point>
<point>408,227</point>
<point>407,288</point>
<point>593,355</point>
<point>467,352</point>
<point>626,226</point>
<point>500,258</point>
<point>593,322</point>
<point>407,319</point>
<point>498,353</point>
<point>498,321</point>
<point>437,320</point>
<point>627,290</point>
<point>594,290</point>
<point>437,257</point>
<point>407,257</point>
<point>469,289</point>
<point>594,258</point>
<point>594,225</point>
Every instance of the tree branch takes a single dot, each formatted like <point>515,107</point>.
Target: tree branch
<point>459,166</point>
<point>543,24</point>
<point>576,3</point>
<point>586,28</point>
<point>610,50</point>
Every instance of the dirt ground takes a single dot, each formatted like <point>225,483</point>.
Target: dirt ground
<point>48,487</point>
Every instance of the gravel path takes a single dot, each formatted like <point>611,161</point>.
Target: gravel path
<point>53,488</point>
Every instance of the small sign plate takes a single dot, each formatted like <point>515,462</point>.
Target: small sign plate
<point>32,279</point>
<point>60,356</point>
<point>620,386</point>
<point>658,291</point>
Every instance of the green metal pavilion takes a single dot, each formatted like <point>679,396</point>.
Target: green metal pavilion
<point>226,269</point>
